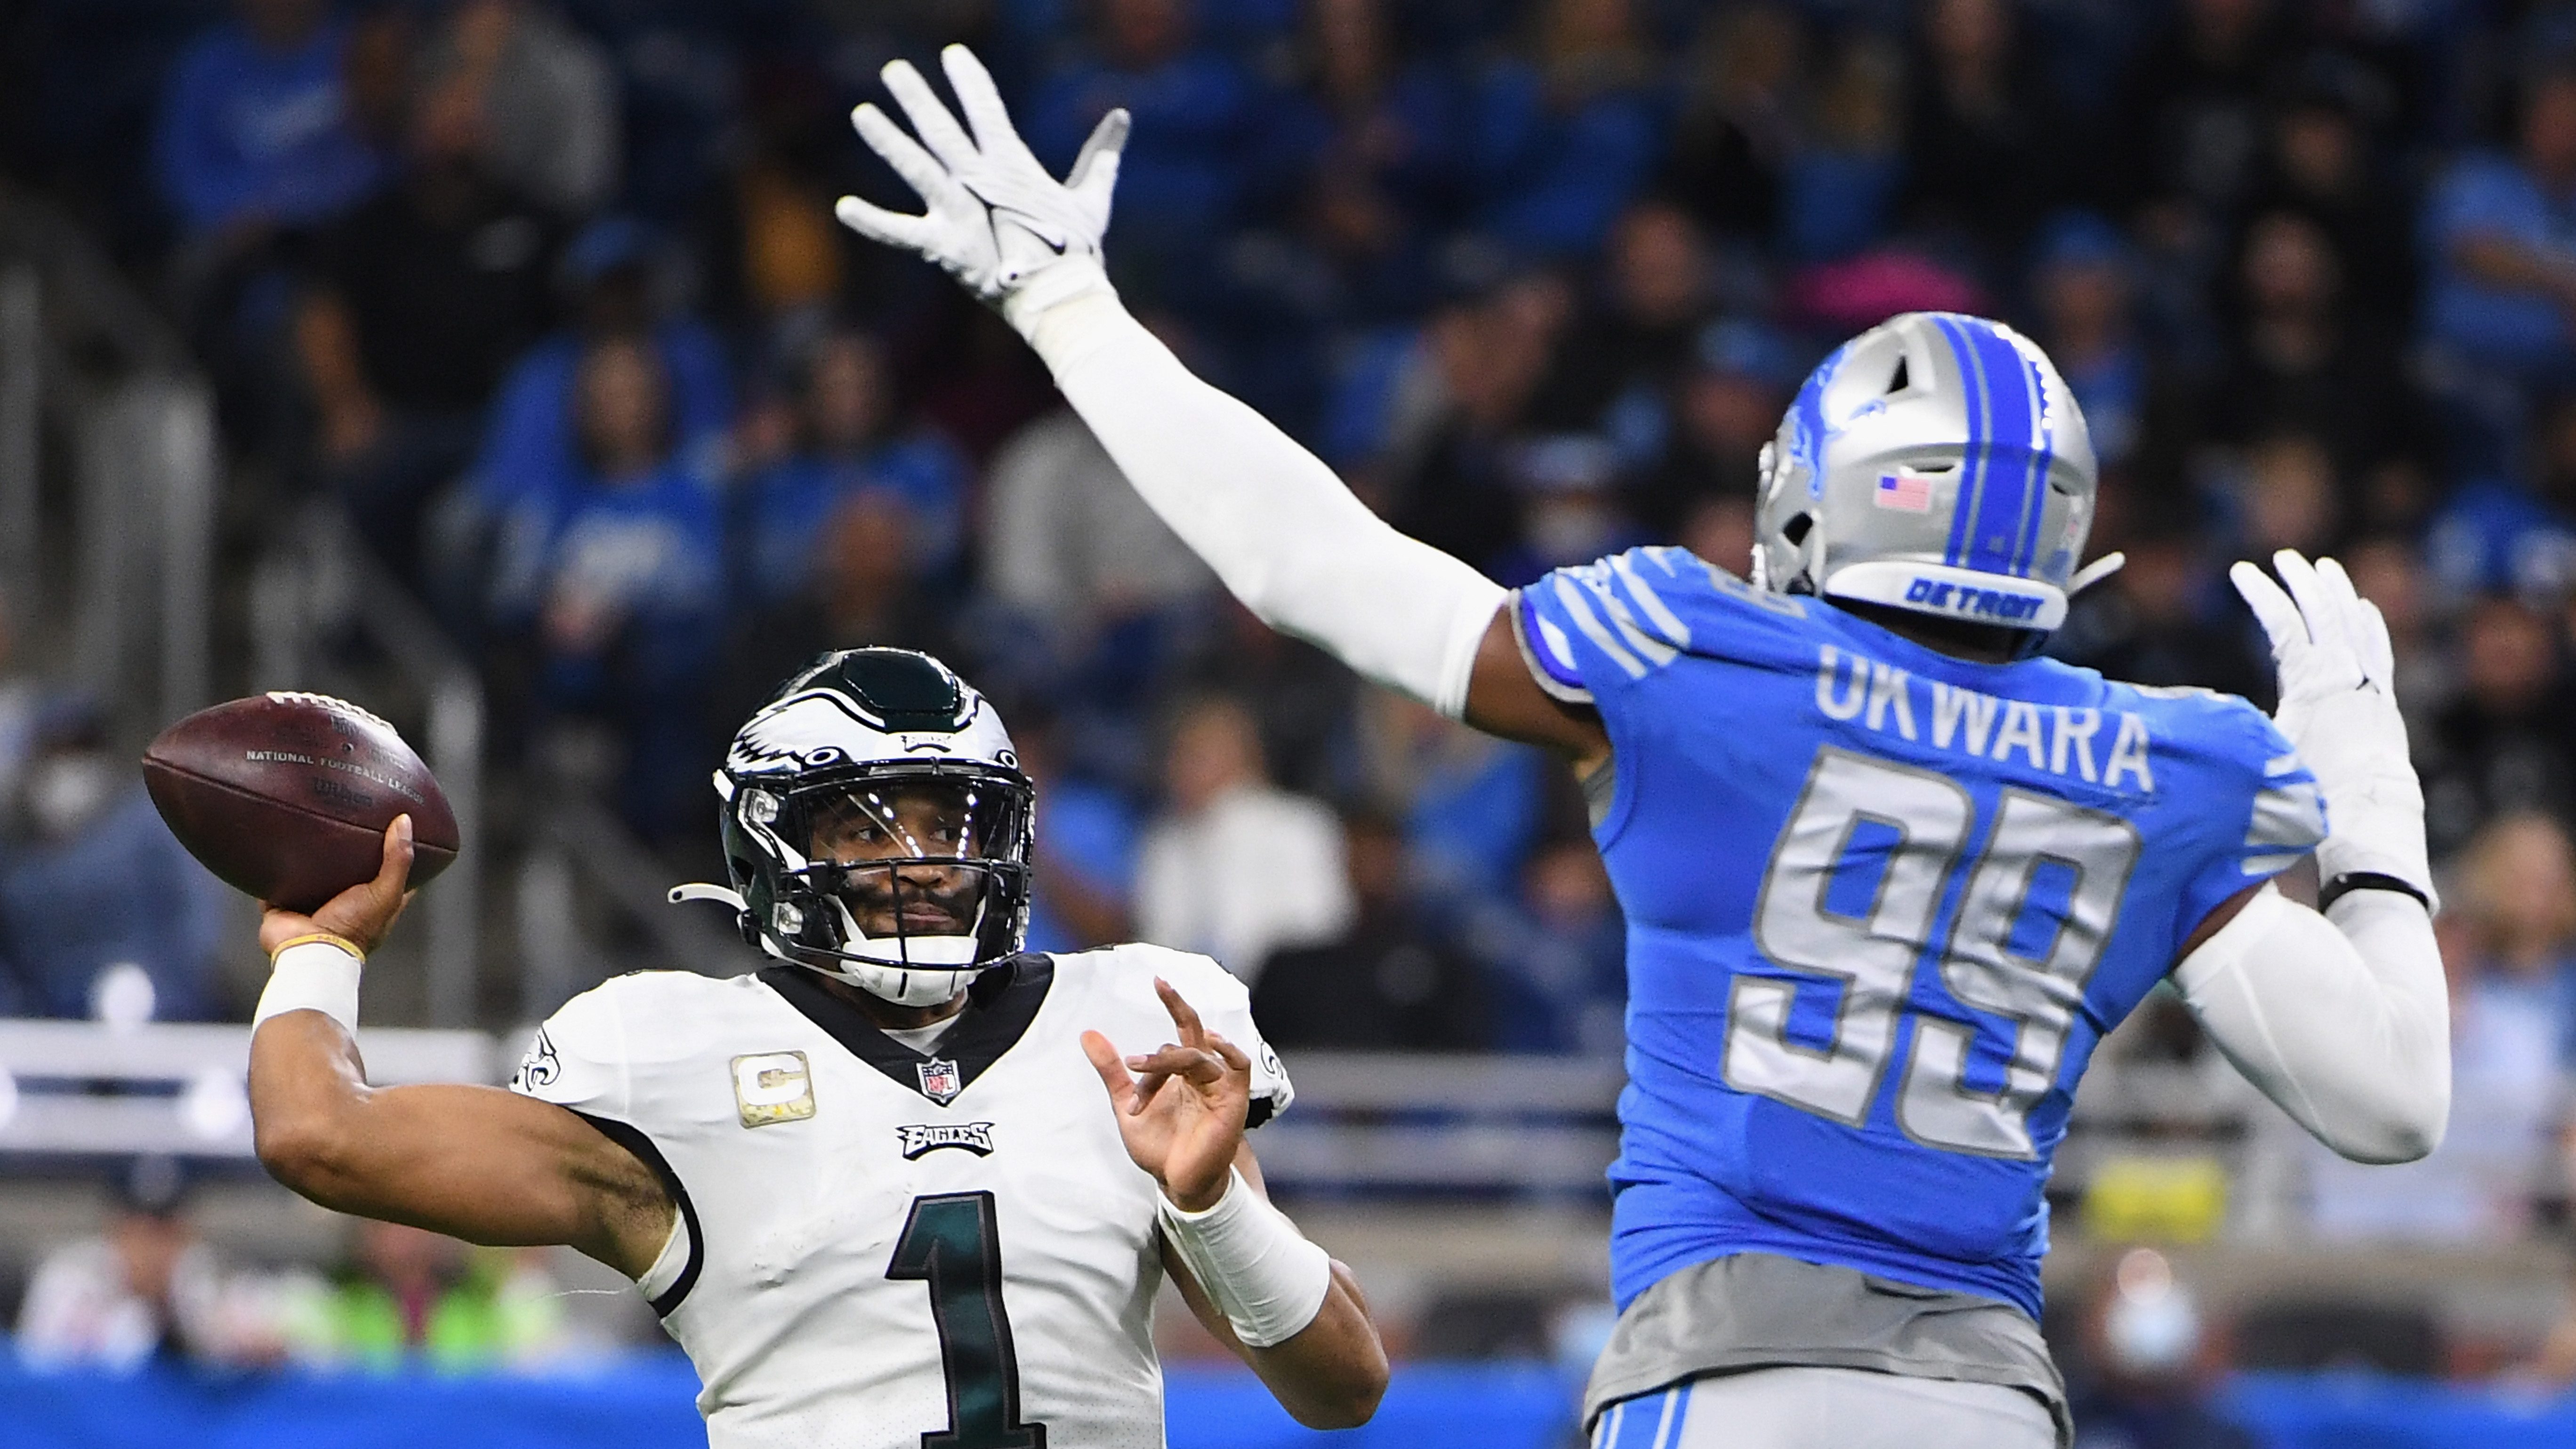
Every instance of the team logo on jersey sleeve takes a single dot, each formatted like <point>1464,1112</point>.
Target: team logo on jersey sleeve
<point>540,1067</point>
<point>772,1087</point>
<point>940,1080</point>
<point>920,1139</point>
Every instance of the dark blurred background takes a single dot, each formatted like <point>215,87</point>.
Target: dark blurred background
<point>499,364</point>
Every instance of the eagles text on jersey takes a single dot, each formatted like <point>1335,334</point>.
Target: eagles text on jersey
<point>877,1247</point>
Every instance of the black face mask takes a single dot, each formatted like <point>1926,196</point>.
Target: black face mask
<point>898,856</point>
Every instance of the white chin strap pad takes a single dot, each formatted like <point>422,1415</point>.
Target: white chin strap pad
<point>905,988</point>
<point>1948,592</point>
<point>907,985</point>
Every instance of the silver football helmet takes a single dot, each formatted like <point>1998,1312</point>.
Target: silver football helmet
<point>1935,463</point>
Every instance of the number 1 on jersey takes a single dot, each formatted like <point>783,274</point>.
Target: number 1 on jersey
<point>950,1241</point>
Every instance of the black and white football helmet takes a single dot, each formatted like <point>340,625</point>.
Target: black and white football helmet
<point>877,827</point>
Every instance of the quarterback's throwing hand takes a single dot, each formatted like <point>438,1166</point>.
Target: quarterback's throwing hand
<point>1180,1109</point>
<point>995,220</point>
<point>360,915</point>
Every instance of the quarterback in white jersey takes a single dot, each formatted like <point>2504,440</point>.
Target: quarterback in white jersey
<point>899,1190</point>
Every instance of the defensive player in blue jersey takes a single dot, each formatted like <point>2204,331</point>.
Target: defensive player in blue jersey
<point>1889,876</point>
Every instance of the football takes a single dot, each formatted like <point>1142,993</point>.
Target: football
<point>286,796</point>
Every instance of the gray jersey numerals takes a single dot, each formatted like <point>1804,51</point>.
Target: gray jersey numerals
<point>2001,957</point>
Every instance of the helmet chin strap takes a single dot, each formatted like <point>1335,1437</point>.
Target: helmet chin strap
<point>924,985</point>
<point>900,986</point>
<point>2095,572</point>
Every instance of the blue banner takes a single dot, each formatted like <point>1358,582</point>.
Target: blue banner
<point>2368,1411</point>
<point>646,1404</point>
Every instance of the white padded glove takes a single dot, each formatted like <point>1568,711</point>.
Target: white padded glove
<point>2339,709</point>
<point>1018,238</point>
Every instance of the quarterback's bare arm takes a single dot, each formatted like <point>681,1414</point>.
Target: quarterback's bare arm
<point>1271,518</point>
<point>1291,1313</point>
<point>478,1163</point>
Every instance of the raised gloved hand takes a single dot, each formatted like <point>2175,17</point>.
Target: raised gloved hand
<point>2339,708</point>
<point>1018,238</point>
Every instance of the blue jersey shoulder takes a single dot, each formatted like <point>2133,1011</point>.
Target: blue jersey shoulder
<point>1599,626</point>
<point>2261,808</point>
<point>1606,633</point>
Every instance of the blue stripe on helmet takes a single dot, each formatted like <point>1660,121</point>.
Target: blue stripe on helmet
<point>2003,507</point>
<point>2035,504</point>
<point>1972,456</point>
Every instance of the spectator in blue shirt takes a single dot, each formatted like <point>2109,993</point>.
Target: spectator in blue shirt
<point>847,444</point>
<point>1562,142</point>
<point>1555,960</point>
<point>84,846</point>
<point>255,126</point>
<point>2518,889</point>
<point>2499,236</point>
<point>628,590</point>
<point>531,448</point>
<point>2084,282</point>
<point>480,545</point>
<point>1841,180</point>
<point>1364,152</point>
<point>1086,858</point>
<point>2493,535</point>
<point>1181,182</point>
<point>1471,805</point>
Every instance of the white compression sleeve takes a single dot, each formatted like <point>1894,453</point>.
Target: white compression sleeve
<point>1278,527</point>
<point>2346,1023</point>
<point>1266,1276</point>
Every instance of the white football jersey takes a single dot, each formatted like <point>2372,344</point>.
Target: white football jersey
<point>887,1249</point>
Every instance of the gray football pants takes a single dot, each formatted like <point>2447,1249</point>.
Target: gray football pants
<point>1826,1408</point>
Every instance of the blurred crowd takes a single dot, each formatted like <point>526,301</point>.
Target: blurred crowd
<point>548,294</point>
<point>148,1290</point>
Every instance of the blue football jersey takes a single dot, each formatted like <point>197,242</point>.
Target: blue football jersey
<point>1882,904</point>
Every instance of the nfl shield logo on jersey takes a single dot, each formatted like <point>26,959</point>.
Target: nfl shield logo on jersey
<point>940,1080</point>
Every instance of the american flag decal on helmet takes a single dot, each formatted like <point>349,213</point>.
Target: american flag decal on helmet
<point>1904,490</point>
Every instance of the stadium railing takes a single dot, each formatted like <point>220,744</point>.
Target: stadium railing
<point>1365,1123</point>
<point>81,1089</point>
<point>127,592</point>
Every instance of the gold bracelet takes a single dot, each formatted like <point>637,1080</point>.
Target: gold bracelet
<point>343,942</point>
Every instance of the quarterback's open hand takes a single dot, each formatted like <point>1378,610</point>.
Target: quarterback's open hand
<point>994,219</point>
<point>1182,1111</point>
<point>360,915</point>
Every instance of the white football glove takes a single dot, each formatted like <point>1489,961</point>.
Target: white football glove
<point>2339,708</point>
<point>1018,238</point>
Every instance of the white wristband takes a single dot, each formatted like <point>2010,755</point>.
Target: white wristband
<point>312,975</point>
<point>1253,1262</point>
